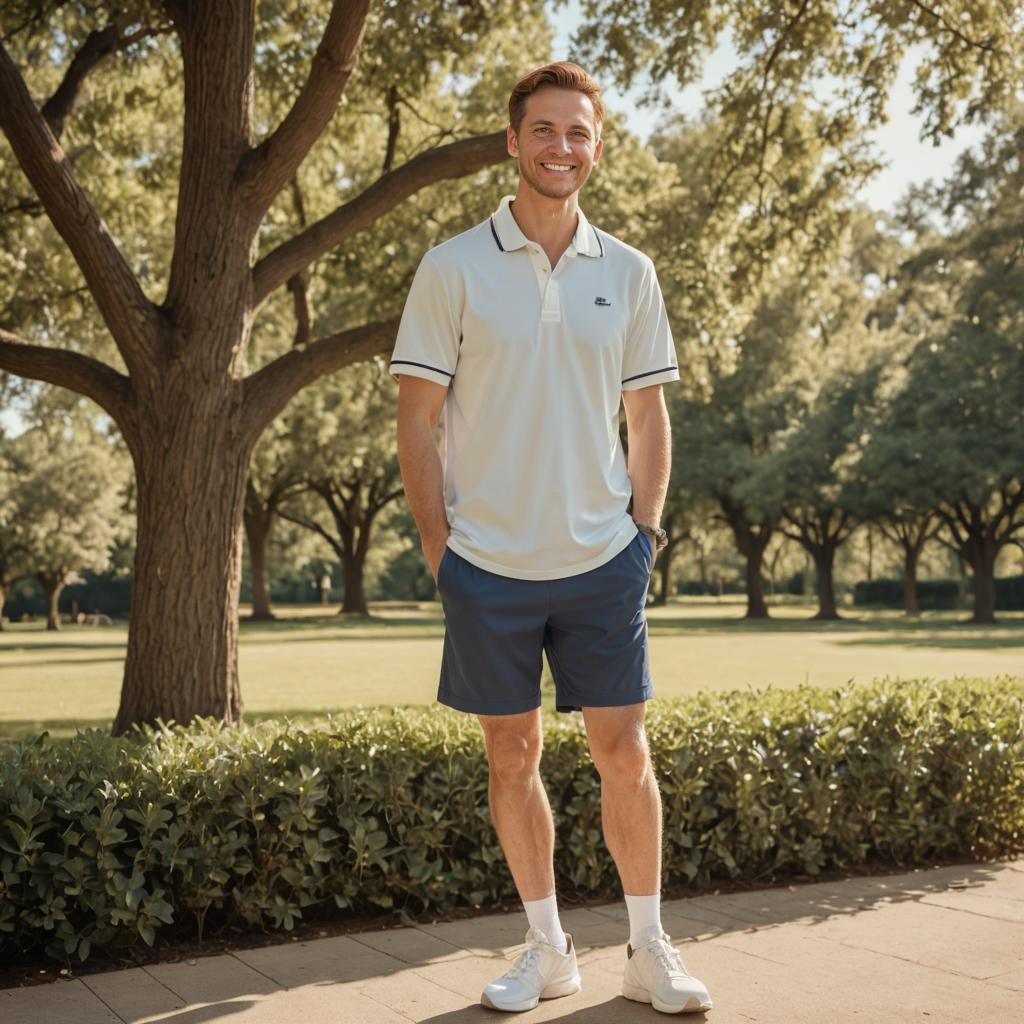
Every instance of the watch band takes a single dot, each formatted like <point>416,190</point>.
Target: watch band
<point>659,538</point>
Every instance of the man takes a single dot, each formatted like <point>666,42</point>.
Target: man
<point>527,330</point>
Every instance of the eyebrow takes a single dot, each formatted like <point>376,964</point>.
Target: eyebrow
<point>577,124</point>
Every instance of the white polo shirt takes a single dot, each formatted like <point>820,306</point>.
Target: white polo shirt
<point>535,360</point>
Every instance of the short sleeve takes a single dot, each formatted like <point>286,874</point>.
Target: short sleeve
<point>650,354</point>
<point>428,336</point>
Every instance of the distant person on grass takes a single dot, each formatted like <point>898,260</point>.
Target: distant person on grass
<point>526,330</point>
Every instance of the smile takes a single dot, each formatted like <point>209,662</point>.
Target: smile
<point>558,168</point>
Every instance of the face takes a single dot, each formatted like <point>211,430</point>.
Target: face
<point>557,145</point>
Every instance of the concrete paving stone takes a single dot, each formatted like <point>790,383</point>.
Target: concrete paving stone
<point>133,993</point>
<point>309,1004</point>
<point>979,903</point>
<point>688,929</point>
<point>483,936</point>
<point>334,960</point>
<point>887,988</point>
<point>413,995</point>
<point>212,979</point>
<point>966,944</point>
<point>67,1001</point>
<point>410,945</point>
<point>1013,980</point>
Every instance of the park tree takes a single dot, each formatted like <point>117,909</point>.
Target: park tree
<point>947,454</point>
<point>341,436</point>
<point>197,116</point>
<point>67,498</point>
<point>835,64</point>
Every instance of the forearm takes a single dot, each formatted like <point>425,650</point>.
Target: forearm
<point>422,478</point>
<point>649,464</point>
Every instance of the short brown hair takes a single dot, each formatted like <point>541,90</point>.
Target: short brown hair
<point>563,74</point>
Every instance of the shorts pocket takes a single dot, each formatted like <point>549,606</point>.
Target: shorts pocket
<point>441,565</point>
<point>648,544</point>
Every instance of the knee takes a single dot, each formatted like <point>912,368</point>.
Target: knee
<point>513,758</point>
<point>624,759</point>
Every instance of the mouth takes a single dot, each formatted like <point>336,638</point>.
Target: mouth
<point>558,168</point>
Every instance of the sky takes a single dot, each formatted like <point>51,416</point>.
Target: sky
<point>909,159</point>
<point>898,141</point>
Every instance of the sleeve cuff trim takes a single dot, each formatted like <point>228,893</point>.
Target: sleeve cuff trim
<point>651,373</point>
<point>426,366</point>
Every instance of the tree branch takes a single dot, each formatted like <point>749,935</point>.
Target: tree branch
<point>130,317</point>
<point>109,389</point>
<point>266,168</point>
<point>98,44</point>
<point>952,29</point>
<point>269,389</point>
<point>452,161</point>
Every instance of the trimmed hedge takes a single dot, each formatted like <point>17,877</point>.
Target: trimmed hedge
<point>170,831</point>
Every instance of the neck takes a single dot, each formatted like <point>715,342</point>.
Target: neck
<point>549,222</point>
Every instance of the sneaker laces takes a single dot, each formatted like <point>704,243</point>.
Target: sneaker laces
<point>527,962</point>
<point>668,957</point>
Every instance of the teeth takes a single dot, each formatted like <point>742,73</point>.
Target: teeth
<point>558,167</point>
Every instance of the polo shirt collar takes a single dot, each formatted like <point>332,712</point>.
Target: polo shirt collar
<point>508,236</point>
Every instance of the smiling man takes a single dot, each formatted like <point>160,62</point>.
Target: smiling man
<point>527,332</point>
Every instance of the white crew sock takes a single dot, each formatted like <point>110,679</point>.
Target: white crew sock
<point>543,914</point>
<point>644,918</point>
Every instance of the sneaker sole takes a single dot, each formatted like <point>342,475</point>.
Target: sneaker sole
<point>641,995</point>
<point>563,988</point>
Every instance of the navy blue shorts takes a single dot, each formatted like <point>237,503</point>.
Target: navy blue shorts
<point>592,627</point>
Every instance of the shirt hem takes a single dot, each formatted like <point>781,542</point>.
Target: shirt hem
<point>619,543</point>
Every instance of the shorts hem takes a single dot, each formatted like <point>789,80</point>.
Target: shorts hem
<point>605,700</point>
<point>488,707</point>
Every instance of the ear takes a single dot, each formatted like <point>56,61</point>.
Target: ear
<point>597,150</point>
<point>511,142</point>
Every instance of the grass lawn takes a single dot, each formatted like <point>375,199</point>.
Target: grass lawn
<point>308,663</point>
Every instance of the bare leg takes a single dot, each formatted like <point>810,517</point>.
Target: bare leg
<point>518,801</point>
<point>630,800</point>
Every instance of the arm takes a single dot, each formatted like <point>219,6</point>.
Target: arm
<point>650,451</point>
<point>419,405</point>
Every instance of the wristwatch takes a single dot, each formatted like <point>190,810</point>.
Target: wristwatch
<point>659,538</point>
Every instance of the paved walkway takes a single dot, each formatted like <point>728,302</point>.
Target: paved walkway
<point>936,945</point>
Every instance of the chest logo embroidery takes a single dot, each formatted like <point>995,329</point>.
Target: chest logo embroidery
<point>601,302</point>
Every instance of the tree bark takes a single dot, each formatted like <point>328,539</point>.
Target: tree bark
<point>664,562</point>
<point>53,584</point>
<point>824,559</point>
<point>751,541</point>
<point>182,657</point>
<point>910,608</point>
<point>984,593</point>
<point>257,531</point>
<point>353,564</point>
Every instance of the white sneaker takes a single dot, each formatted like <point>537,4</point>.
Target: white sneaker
<point>655,974</point>
<point>541,972</point>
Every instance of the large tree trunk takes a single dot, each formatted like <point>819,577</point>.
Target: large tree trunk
<point>353,563</point>
<point>751,541</point>
<point>756,607</point>
<point>663,562</point>
<point>53,584</point>
<point>258,527</point>
<point>984,569</point>
<point>182,658</point>
<point>824,558</point>
<point>910,556</point>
